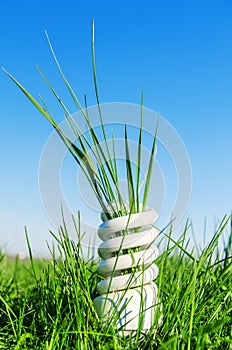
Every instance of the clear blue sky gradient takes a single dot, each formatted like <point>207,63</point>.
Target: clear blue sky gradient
<point>180,52</point>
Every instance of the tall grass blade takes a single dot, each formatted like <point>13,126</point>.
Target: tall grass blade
<point>97,97</point>
<point>150,169</point>
<point>130,184</point>
<point>139,151</point>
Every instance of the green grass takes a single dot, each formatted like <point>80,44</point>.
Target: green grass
<point>99,164</point>
<point>48,304</point>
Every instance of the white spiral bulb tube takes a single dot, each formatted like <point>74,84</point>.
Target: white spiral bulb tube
<point>127,290</point>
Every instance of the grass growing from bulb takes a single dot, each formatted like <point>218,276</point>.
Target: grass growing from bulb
<point>48,304</point>
<point>99,163</point>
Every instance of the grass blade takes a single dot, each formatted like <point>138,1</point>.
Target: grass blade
<point>129,175</point>
<point>138,163</point>
<point>150,169</point>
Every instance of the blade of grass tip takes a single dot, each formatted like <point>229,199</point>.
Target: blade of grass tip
<point>149,172</point>
<point>52,90</point>
<point>72,93</point>
<point>219,231</point>
<point>67,142</point>
<point>59,99</point>
<point>138,163</point>
<point>179,245</point>
<point>69,118</point>
<point>109,161</point>
<point>42,110</point>
<point>55,237</point>
<point>97,96</point>
<point>129,175</point>
<point>32,99</point>
<point>30,253</point>
<point>194,239</point>
<point>75,99</point>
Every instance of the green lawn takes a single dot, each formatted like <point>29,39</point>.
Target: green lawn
<point>47,304</point>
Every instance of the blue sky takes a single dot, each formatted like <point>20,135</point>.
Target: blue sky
<point>179,52</point>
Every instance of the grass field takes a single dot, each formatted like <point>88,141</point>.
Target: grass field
<point>47,304</point>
